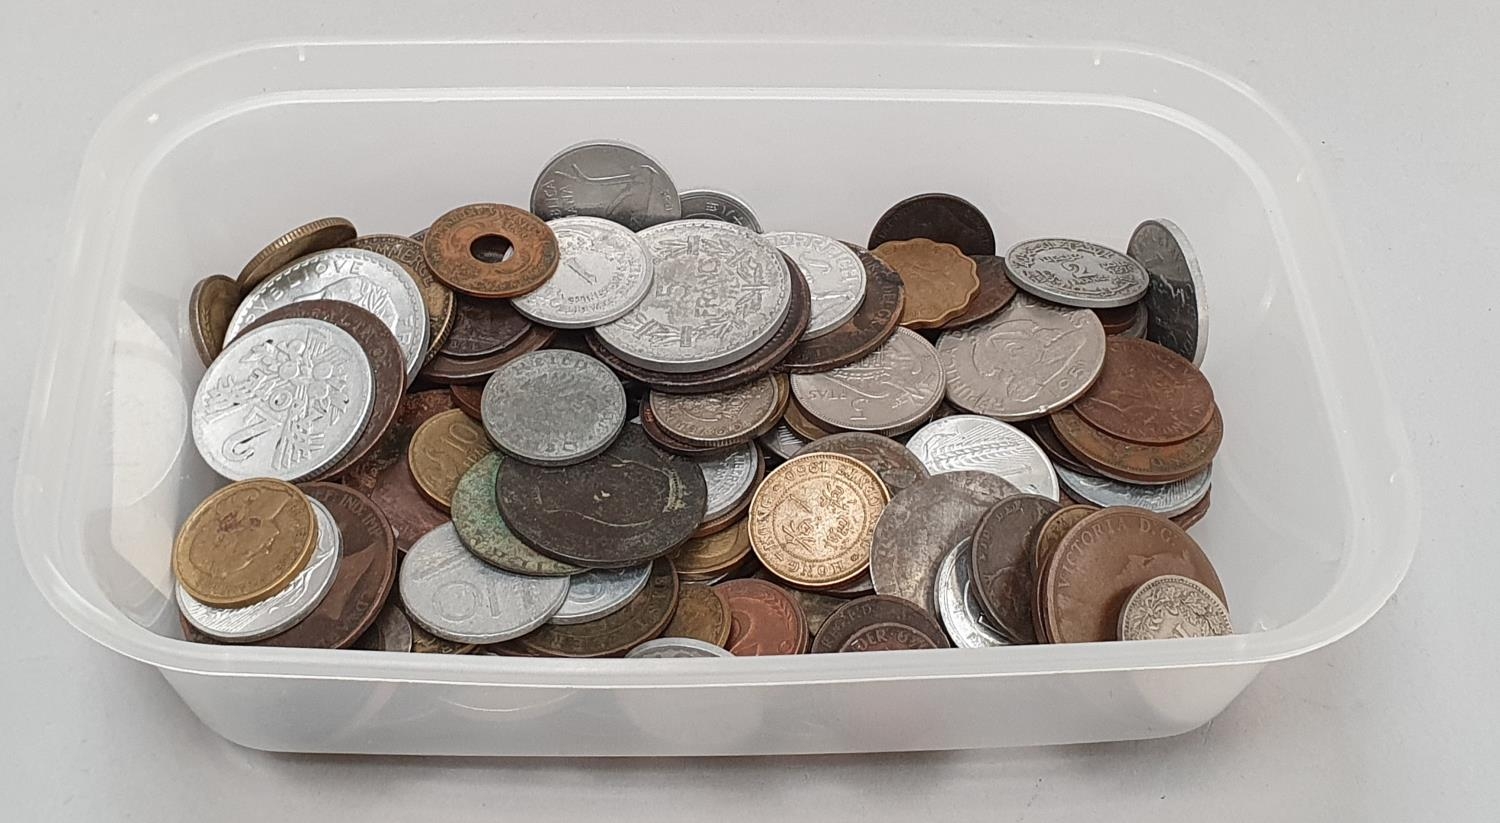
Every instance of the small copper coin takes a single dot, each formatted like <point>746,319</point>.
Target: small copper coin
<point>210,307</point>
<point>451,370</point>
<point>804,424</point>
<point>873,323</point>
<point>441,450</point>
<point>945,218</point>
<point>671,442</point>
<point>1190,518</point>
<point>1147,393</point>
<point>876,609</point>
<point>244,543</point>
<point>455,248</point>
<point>764,619</point>
<point>639,620</point>
<point>425,642</point>
<point>319,235</point>
<point>940,281</point>
<point>384,476</point>
<point>1120,318</point>
<point>723,418</point>
<point>1130,462</point>
<point>713,554</point>
<point>995,292</point>
<point>1050,533</point>
<point>484,327</point>
<point>702,614</point>
<point>467,396</point>
<point>897,467</point>
<point>812,520</point>
<point>436,297</point>
<point>1001,556</point>
<point>887,637</point>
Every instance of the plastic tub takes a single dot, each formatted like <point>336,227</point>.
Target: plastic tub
<point>1313,523</point>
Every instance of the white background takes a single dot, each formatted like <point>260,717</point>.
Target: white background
<point>1397,722</point>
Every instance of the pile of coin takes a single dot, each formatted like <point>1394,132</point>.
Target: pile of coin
<point>627,421</point>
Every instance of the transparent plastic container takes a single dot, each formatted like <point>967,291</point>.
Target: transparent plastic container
<point>1313,521</point>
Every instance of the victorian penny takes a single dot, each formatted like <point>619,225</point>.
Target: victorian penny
<point>702,614</point>
<point>455,247</point>
<point>1131,462</point>
<point>210,307</point>
<point>897,467</point>
<point>1050,533</point>
<point>468,397</point>
<point>642,619</point>
<point>887,637</point>
<point>383,474</point>
<point>873,323</point>
<point>449,370</point>
<point>319,235</point>
<point>812,520</point>
<point>714,554</point>
<point>1147,393</point>
<point>483,532</point>
<point>764,619</point>
<point>244,543</point>
<point>995,292</point>
<point>1173,606</point>
<point>441,450</point>
<point>940,281</point>
<point>438,298</point>
<point>856,615</point>
<point>894,388</point>
<point>483,327</point>
<point>945,218</point>
<point>723,418</point>
<point>1001,563</point>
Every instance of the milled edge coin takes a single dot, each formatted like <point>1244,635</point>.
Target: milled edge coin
<point>319,235</point>
<point>1076,273</point>
<point>210,308</point>
<point>783,442</point>
<point>1175,303</point>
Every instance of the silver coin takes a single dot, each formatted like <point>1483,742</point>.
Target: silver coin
<point>1173,606</point>
<point>729,477</point>
<point>977,443</point>
<point>599,593</point>
<point>456,596</point>
<point>1076,273</point>
<point>676,647</point>
<point>708,204</point>
<point>553,407</point>
<point>604,271</point>
<point>957,607</point>
<point>1029,360</point>
<point>898,384</point>
<point>718,293</point>
<point>835,276</point>
<point>282,610</point>
<point>391,632</point>
<point>1175,303</point>
<point>286,400</point>
<point>606,179</point>
<point>1139,325</point>
<point>783,442</point>
<point>1167,500</point>
<point>373,282</point>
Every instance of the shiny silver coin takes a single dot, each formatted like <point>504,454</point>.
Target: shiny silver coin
<point>835,276</point>
<point>729,477</point>
<point>1076,273</point>
<point>718,293</point>
<point>286,400</point>
<point>783,442</point>
<point>897,385</point>
<point>553,407</point>
<point>604,272</point>
<point>676,647</point>
<point>374,282</point>
<point>1029,360</point>
<point>282,610</point>
<point>1177,310</point>
<point>708,204</point>
<point>1167,500</point>
<point>391,632</point>
<point>957,607</point>
<point>456,596</point>
<point>611,180</point>
<point>974,442</point>
<point>599,593</point>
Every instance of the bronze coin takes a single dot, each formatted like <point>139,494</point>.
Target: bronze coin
<point>1120,318</point>
<point>893,462</point>
<point>861,586</point>
<point>721,419</point>
<point>1050,533</point>
<point>804,424</point>
<point>441,450</point>
<point>1190,518</point>
<point>467,396</point>
<point>319,235</point>
<point>425,642</point>
<point>1147,393</point>
<point>384,354</point>
<point>764,619</point>
<point>887,637</point>
<point>877,318</point>
<point>940,280</point>
<point>382,473</point>
<point>876,609</point>
<point>483,327</point>
<point>456,245</point>
<point>670,442</point>
<point>630,504</point>
<point>995,292</point>
<point>245,542</point>
<point>437,298</point>
<point>1040,430</point>
<point>1107,556</point>
<point>946,218</point>
<point>452,370</point>
<point>210,307</point>
<point>641,619</point>
<point>702,614</point>
<point>1001,558</point>
<point>816,606</point>
<point>714,554</point>
<point>1130,462</point>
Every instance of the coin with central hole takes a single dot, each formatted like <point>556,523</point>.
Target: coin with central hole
<point>642,618</point>
<point>606,179</point>
<point>974,442</point>
<point>476,516</point>
<point>834,274</point>
<point>1001,562</point>
<point>812,520</point>
<point>604,272</point>
<point>553,407</point>
<point>1076,273</point>
<point>891,389</point>
<point>708,204</point>
<point>456,248</point>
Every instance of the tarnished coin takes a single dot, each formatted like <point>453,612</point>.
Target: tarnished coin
<point>1190,518</point>
<point>384,476</point>
<point>553,407</point>
<point>995,292</point>
<point>783,442</point>
<point>436,297</point>
<point>1147,394</point>
<point>975,442</point>
<point>1040,430</point>
<point>812,520</point>
<point>599,593</point>
<point>765,619</point>
<point>1167,500</point>
<point>630,504</point>
<point>1030,359</point>
<point>880,609</point>
<point>895,464</point>
<point>455,246</point>
<point>945,218</point>
<point>604,272</point>
<point>860,586</point>
<point>666,647</point>
<point>441,450</point>
<point>1120,318</point>
<point>888,637</point>
<point>642,618</point>
<point>391,632</point>
<point>922,524</point>
<point>873,323</point>
<point>714,554</point>
<point>319,235</point>
<point>940,280</point>
<point>708,204</point>
<point>1138,326</point>
<point>803,423</point>
<point>1050,532</point>
<point>702,614</point>
<point>1001,563</point>
<point>834,273</point>
<point>816,606</point>
<point>425,642</point>
<point>210,308</point>
<point>476,516</point>
<point>1076,273</point>
<point>470,398</point>
<point>722,418</point>
<point>1123,460</point>
<point>245,542</point>
<point>484,327</point>
<point>730,477</point>
<point>957,607</point>
<point>454,595</point>
<point>1173,606</point>
<point>1176,309</point>
<point>898,385</point>
<point>609,180</point>
<point>448,370</point>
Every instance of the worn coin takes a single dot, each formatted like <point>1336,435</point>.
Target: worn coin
<point>438,299</point>
<point>469,398</point>
<point>879,609</point>
<point>553,407</point>
<point>1040,430</point>
<point>782,442</point>
<point>453,594</point>
<point>940,281</point>
<point>1030,359</point>
<point>666,647</point>
<point>441,450</point>
<point>483,327</point>
<point>1001,563</point>
<point>729,478</point>
<point>803,423</point>
<point>895,464</point>
<point>609,180</point>
<point>874,321</point>
<point>764,619</point>
<point>945,218</point>
<point>476,516</point>
<point>834,274</point>
<point>1076,273</point>
<point>1176,310</point>
<point>1120,318</point>
<point>604,272</point>
<point>708,204</point>
<point>1173,606</point>
<point>812,520</point>
<point>1147,394</point>
<point>975,442</point>
<point>450,370</point>
<point>210,308</point>
<point>1050,533</point>
<point>713,554</point>
<point>897,385</point>
<point>722,418</point>
<point>702,614</point>
<point>384,476</point>
<point>1130,462</point>
<point>668,441</point>
<point>1190,518</point>
<point>995,292</point>
<point>391,632</point>
<point>642,618</point>
<point>245,542</point>
<point>456,243</point>
<point>957,606</point>
<point>860,586</point>
<point>598,593</point>
<point>1167,500</point>
<point>888,637</point>
<point>319,235</point>
<point>425,642</point>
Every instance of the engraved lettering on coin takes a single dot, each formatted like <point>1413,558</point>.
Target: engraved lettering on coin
<point>708,204</point>
<point>642,618</point>
<point>898,384</point>
<point>319,235</point>
<point>604,272</point>
<point>812,520</point>
<point>1076,273</point>
<point>1147,394</point>
<point>436,297</point>
<point>441,450</point>
<point>1173,606</point>
<point>609,180</point>
<point>834,274</point>
<point>1001,563</point>
<point>715,417</point>
<point>856,616</point>
<point>1177,311</point>
<point>975,442</point>
<point>887,637</point>
<point>553,407</point>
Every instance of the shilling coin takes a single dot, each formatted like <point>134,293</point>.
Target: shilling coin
<point>1173,606</point>
<point>1177,312</point>
<point>456,245</point>
<point>326,233</point>
<point>553,407</point>
<point>437,297</point>
<point>722,418</point>
<point>957,607</point>
<point>384,476</point>
<point>598,593</point>
<point>873,323</point>
<point>729,477</point>
<point>609,180</point>
<point>287,401</point>
<point>676,647</point>
<point>765,619</point>
<point>945,218</point>
<point>975,442</point>
<point>245,542</point>
<point>1147,393</point>
<point>476,516</point>
<point>701,614</point>
<point>995,292</point>
<point>642,618</point>
<point>605,271</point>
<point>783,442</point>
<point>1167,500</point>
<point>834,273</point>
<point>210,308</point>
<point>708,204</point>
<point>1001,563</point>
<point>940,280</point>
<point>812,520</point>
<point>897,467</point>
<point>441,450</point>
<point>857,616</point>
<point>897,385</point>
<point>391,632</point>
<point>1076,273</point>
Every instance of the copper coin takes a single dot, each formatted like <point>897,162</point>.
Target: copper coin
<point>764,619</point>
<point>804,424</point>
<point>425,642</point>
<point>1120,318</point>
<point>1108,555</point>
<point>995,292</point>
<point>873,323</point>
<point>451,370</point>
<point>876,609</point>
<point>702,614</point>
<point>1147,393</point>
<point>946,218</point>
<point>1050,533</point>
<point>467,396</point>
<point>436,297</point>
<point>1001,557</point>
<point>713,554</point>
<point>642,619</point>
<point>897,467</point>
<point>455,247</point>
<point>210,307</point>
<point>1130,462</point>
<point>484,327</point>
<point>630,504</point>
<point>244,543</point>
<point>319,235</point>
<point>1190,518</point>
<point>723,418</point>
<point>887,637</point>
<point>441,450</point>
<point>1040,430</point>
<point>816,607</point>
<point>383,474</point>
<point>671,442</point>
<point>940,281</point>
<point>812,520</point>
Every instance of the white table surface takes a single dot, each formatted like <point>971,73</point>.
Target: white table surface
<point>1394,723</point>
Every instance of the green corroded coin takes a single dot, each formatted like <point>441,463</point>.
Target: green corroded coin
<point>483,532</point>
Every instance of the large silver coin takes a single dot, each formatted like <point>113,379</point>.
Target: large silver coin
<point>897,385</point>
<point>729,477</point>
<point>373,282</point>
<point>834,275</point>
<point>783,442</point>
<point>286,401</point>
<point>1076,273</point>
<point>456,596</point>
<point>282,610</point>
<point>553,408</point>
<point>1168,500</point>
<point>599,593</point>
<point>708,204</point>
<point>1029,360</point>
<point>609,180</point>
<point>718,293</point>
<point>973,442</point>
<point>676,647</point>
<point>604,272</point>
<point>957,607</point>
<point>1177,309</point>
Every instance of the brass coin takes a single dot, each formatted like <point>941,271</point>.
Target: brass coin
<point>319,235</point>
<point>455,242</point>
<point>812,520</point>
<point>436,297</point>
<point>721,418</point>
<point>1051,532</point>
<point>210,308</point>
<point>713,554</point>
<point>1147,393</point>
<point>244,543</point>
<point>441,450</point>
<point>940,280</point>
<point>702,614</point>
<point>642,619</point>
<point>1120,459</point>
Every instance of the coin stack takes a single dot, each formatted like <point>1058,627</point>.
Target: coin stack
<point>628,422</point>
